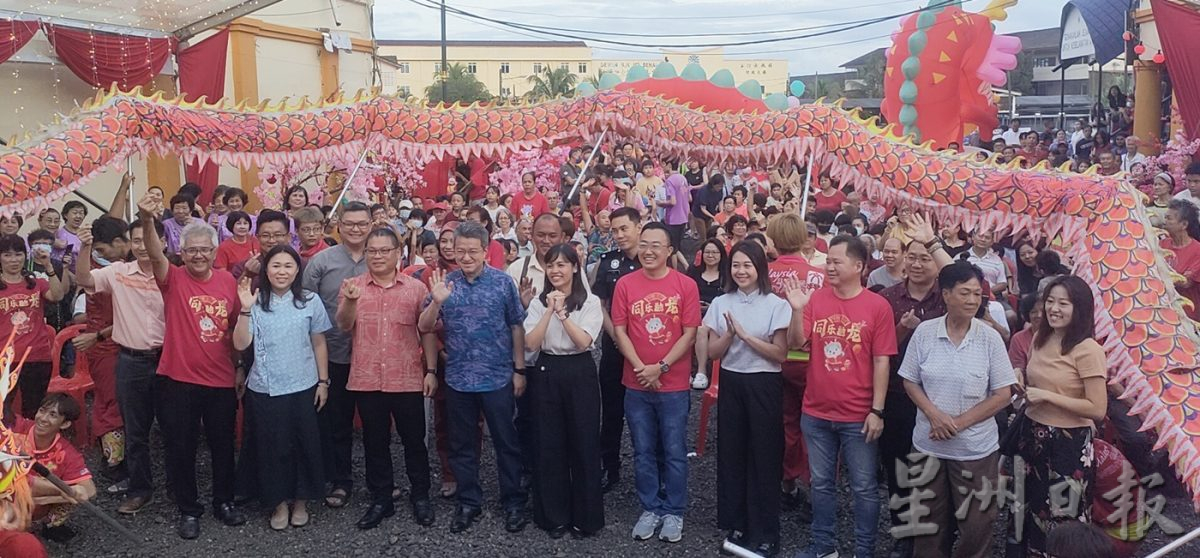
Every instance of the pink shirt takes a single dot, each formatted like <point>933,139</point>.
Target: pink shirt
<point>387,352</point>
<point>137,305</point>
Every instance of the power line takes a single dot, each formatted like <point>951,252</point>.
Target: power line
<point>676,18</point>
<point>553,31</point>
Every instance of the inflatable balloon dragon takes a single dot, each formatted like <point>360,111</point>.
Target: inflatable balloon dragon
<point>940,70</point>
<point>1151,346</point>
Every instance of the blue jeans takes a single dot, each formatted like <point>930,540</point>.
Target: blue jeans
<point>659,419</point>
<point>825,439</point>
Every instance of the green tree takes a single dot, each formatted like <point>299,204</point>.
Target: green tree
<point>551,84</point>
<point>827,89</point>
<point>1020,79</point>
<point>461,87</point>
<point>871,75</point>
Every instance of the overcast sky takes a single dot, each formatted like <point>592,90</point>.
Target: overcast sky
<point>650,19</point>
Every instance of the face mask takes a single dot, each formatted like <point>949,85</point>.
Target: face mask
<point>96,257</point>
<point>44,248</point>
<point>858,229</point>
<point>414,224</point>
<point>404,213</point>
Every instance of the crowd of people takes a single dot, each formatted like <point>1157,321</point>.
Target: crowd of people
<point>913,353</point>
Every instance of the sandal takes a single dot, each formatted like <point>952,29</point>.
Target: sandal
<point>337,498</point>
<point>449,489</point>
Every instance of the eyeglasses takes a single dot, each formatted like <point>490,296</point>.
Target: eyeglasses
<point>473,253</point>
<point>276,236</point>
<point>356,224</point>
<point>197,251</point>
<point>653,246</point>
<point>372,252</point>
<point>311,230</point>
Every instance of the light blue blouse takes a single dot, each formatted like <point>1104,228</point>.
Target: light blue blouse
<point>284,361</point>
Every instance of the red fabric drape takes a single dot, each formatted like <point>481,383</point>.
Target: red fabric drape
<point>202,73</point>
<point>1179,31</point>
<point>14,33</point>
<point>437,177</point>
<point>102,59</point>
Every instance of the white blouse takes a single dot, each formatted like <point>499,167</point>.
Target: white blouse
<point>590,318</point>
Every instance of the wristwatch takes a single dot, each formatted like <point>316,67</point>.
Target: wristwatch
<point>877,412</point>
<point>932,242</point>
<point>324,382</point>
<point>663,366</point>
<point>518,370</point>
<point>429,371</point>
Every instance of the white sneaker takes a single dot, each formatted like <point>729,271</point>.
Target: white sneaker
<point>700,381</point>
<point>646,525</point>
<point>672,529</point>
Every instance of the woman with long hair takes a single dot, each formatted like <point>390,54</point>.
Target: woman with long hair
<point>710,276</point>
<point>1065,394</point>
<point>287,384</point>
<point>747,332</point>
<point>562,323</point>
<point>1028,274</point>
<point>23,313</point>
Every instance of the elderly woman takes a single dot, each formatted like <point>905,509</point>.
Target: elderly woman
<point>958,374</point>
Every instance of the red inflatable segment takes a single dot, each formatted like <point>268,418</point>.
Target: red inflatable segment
<point>704,95</point>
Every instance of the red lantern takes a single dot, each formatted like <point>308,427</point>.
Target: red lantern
<point>1127,36</point>
<point>1139,49</point>
<point>1159,58</point>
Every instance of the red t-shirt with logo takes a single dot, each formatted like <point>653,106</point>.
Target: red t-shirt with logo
<point>794,267</point>
<point>528,207</point>
<point>197,346</point>
<point>830,203</point>
<point>654,313</point>
<point>845,335</point>
<point>23,309</point>
<point>60,457</point>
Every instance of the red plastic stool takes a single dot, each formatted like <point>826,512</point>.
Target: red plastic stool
<point>706,403</point>
<point>77,386</point>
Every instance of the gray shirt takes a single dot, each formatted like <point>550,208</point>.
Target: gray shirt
<point>323,275</point>
<point>881,277</point>
<point>760,316</point>
<point>956,379</point>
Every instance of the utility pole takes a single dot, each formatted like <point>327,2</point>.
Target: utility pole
<point>445,69</point>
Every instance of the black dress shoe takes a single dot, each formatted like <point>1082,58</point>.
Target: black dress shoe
<point>423,512</point>
<point>188,527</point>
<point>375,515</point>
<point>464,516</point>
<point>515,520</point>
<point>558,532</point>
<point>578,534</point>
<point>229,514</point>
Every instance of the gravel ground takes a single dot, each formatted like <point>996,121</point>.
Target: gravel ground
<point>332,532</point>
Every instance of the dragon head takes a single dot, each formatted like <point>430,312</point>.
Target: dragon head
<point>16,502</point>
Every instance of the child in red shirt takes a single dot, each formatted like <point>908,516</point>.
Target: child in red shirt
<point>42,439</point>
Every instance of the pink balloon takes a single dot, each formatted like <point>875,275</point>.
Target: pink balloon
<point>793,102</point>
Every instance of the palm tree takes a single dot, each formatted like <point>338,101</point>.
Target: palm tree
<point>595,80</point>
<point>550,84</point>
<point>461,87</point>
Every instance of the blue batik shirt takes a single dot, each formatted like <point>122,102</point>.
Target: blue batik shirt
<point>477,323</point>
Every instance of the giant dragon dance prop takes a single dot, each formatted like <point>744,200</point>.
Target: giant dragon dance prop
<point>1151,347</point>
<point>16,499</point>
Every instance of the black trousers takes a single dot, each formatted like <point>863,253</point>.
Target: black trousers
<point>377,410</point>
<point>34,380</point>
<point>135,395</point>
<point>568,458</point>
<point>612,405</point>
<point>337,428</point>
<point>498,408</point>
<point>750,454</point>
<point>899,421</point>
<point>288,448</point>
<point>527,423</point>
<point>182,408</point>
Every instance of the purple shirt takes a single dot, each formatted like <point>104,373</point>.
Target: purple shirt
<point>677,187</point>
<point>173,231</point>
<point>72,243</point>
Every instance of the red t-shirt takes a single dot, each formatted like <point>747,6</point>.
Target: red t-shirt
<point>654,313</point>
<point>22,308</point>
<point>197,346</point>
<point>231,253</point>
<point>60,457</point>
<point>495,255</point>
<point>528,207</point>
<point>846,335</point>
<point>1110,463</point>
<point>794,267</point>
<point>829,203</point>
<point>1186,262</point>
<point>599,202</point>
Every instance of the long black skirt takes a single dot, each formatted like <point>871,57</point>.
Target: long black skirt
<point>288,441</point>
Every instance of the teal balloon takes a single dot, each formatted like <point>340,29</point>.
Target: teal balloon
<point>723,78</point>
<point>917,42</point>
<point>908,115</point>
<point>751,89</point>
<point>609,81</point>
<point>776,101</point>
<point>911,67</point>
<point>693,72</point>
<point>664,71</point>
<point>908,92</point>
<point>585,89</point>
<point>797,88</point>
<point>636,72</point>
